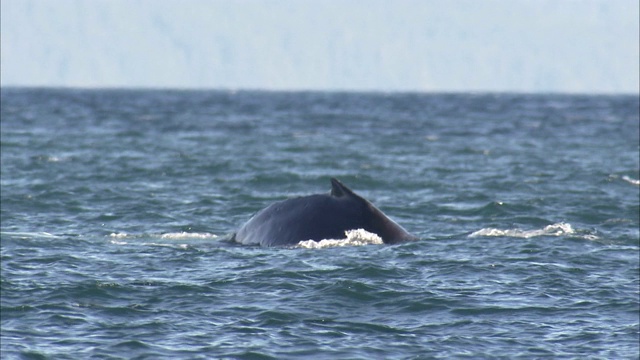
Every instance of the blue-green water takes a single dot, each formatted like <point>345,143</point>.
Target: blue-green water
<point>116,205</point>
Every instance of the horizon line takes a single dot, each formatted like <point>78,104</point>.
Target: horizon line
<point>311,90</point>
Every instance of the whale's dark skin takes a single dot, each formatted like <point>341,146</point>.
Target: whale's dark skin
<point>318,217</point>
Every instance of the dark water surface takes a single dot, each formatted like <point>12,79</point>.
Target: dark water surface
<point>116,205</point>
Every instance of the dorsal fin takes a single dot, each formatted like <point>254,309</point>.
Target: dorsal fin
<point>338,189</point>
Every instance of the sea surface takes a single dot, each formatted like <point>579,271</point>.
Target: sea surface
<point>118,205</point>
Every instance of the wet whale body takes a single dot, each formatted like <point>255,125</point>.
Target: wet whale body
<point>318,217</point>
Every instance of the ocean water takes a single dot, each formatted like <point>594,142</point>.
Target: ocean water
<point>117,205</point>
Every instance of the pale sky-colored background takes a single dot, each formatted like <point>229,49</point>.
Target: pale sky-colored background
<point>574,46</point>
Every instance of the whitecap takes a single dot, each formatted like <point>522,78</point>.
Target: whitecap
<point>558,229</point>
<point>357,237</point>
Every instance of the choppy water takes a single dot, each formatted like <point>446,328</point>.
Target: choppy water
<point>116,203</point>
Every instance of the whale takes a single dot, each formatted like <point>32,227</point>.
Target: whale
<point>318,217</point>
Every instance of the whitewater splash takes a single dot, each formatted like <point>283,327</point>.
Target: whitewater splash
<point>358,237</point>
<point>559,229</point>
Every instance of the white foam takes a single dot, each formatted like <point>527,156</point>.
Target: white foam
<point>119,238</point>
<point>187,235</point>
<point>178,235</point>
<point>357,237</point>
<point>559,229</point>
<point>118,235</point>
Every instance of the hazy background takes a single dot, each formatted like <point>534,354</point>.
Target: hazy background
<point>588,46</point>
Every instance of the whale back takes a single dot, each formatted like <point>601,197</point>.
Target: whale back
<point>317,217</point>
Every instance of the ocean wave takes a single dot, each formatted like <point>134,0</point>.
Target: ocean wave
<point>558,229</point>
<point>357,237</point>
